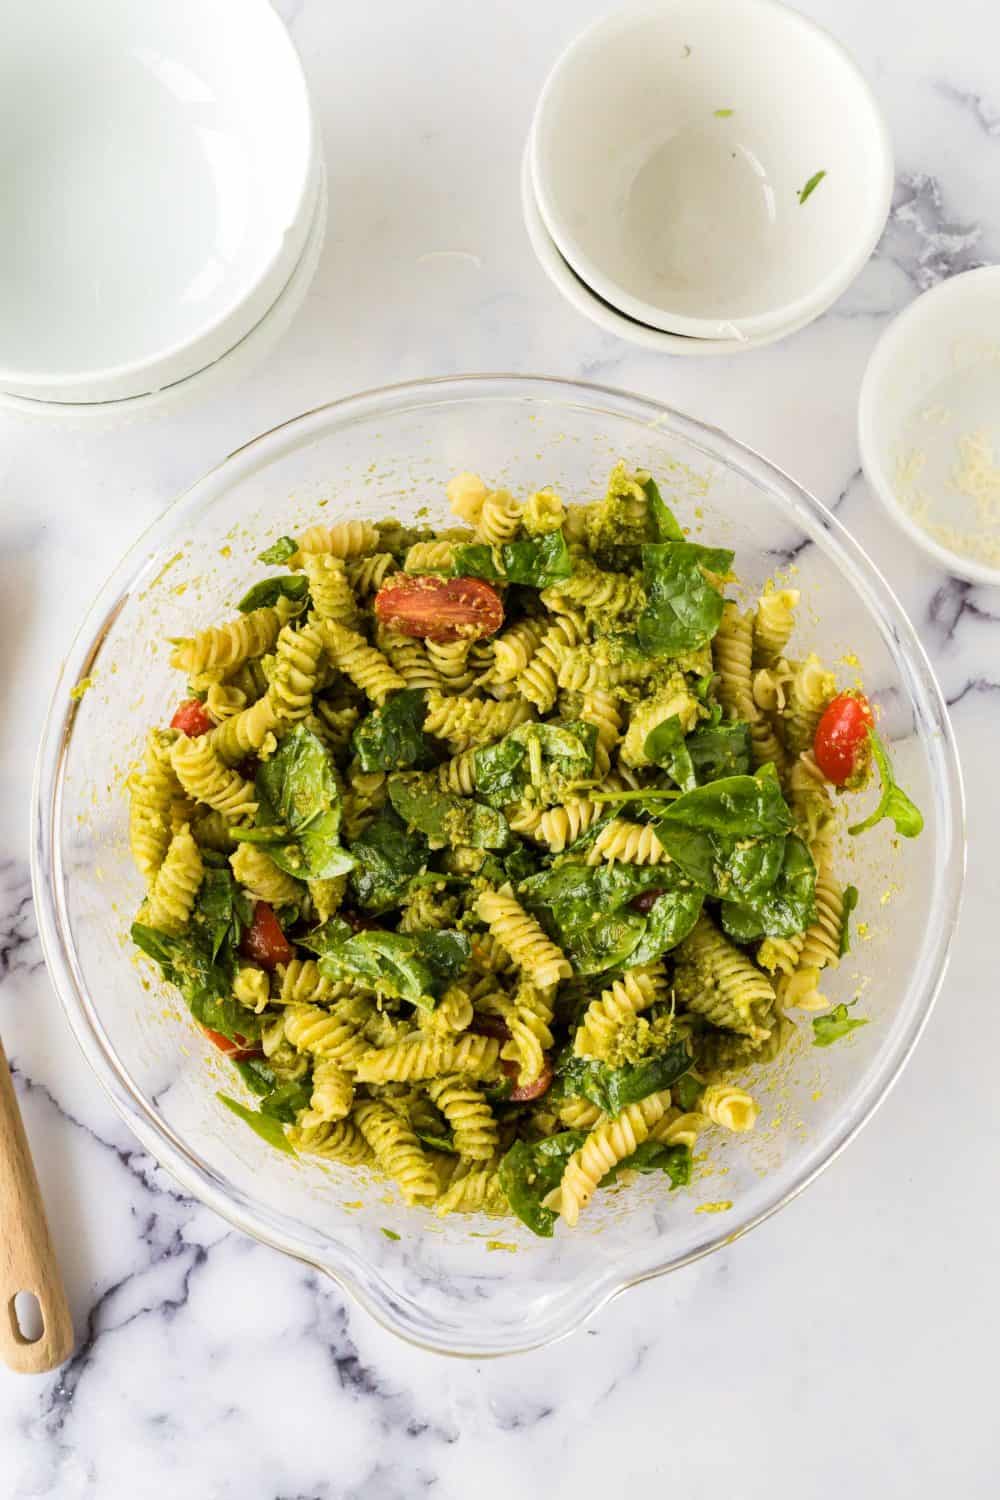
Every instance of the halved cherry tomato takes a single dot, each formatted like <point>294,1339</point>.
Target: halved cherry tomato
<point>841,741</point>
<point>439,609</point>
<point>264,940</point>
<point>237,1047</point>
<point>520,1094</point>
<point>191,719</point>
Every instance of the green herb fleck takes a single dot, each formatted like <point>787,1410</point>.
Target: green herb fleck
<point>811,185</point>
<point>850,902</point>
<point>837,1023</point>
<point>390,1234</point>
<point>723,114</point>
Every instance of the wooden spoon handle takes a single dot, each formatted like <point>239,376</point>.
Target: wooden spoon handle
<point>27,1259</point>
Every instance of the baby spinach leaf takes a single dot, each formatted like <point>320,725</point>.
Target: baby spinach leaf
<point>327,937</point>
<point>785,908</point>
<point>683,609</point>
<point>718,751</point>
<point>665,746</point>
<point>269,1129</point>
<point>287,1100</point>
<point>392,738</point>
<point>297,790</point>
<point>654,1156</point>
<point>537,563</point>
<point>544,757</point>
<point>266,593</point>
<point>386,857</point>
<point>850,902</point>
<point>279,551</point>
<point>531,1170</point>
<point>444,817</point>
<point>687,1091</point>
<point>612,1089</point>
<point>406,966</point>
<point>438,1142</point>
<point>834,1025</point>
<point>258,1076</point>
<point>893,803</point>
<point>587,910</point>
<point>665,525</point>
<point>744,806</point>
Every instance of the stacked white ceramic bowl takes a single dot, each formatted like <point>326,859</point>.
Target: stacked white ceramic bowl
<point>705,176</point>
<point>166,202</point>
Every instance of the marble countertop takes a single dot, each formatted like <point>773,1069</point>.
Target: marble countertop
<point>847,1344</point>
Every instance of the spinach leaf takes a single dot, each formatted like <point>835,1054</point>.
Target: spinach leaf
<point>391,738</point>
<point>279,551</point>
<point>687,1091</point>
<point>256,1074</point>
<point>612,1089</point>
<point>267,593</point>
<point>719,751</point>
<point>328,936</point>
<point>653,1156</point>
<point>538,562</point>
<point>286,1100</point>
<point>683,609</point>
<point>588,911</point>
<point>665,525</point>
<point>745,806</point>
<point>834,1025</point>
<point>444,817</point>
<point>298,813</point>
<point>850,902</point>
<point>787,907</point>
<point>515,864</point>
<point>729,835</point>
<point>406,966</point>
<point>893,803</point>
<point>269,1130</point>
<point>438,1142</point>
<point>666,746</point>
<point>386,857</point>
<point>530,1171</point>
<point>544,757</point>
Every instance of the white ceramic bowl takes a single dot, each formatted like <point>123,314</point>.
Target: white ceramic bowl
<point>586,301</point>
<point>671,145</point>
<point>161,176</point>
<point>929,420</point>
<point>232,366</point>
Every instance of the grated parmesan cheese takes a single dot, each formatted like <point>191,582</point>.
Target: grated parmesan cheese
<point>975,476</point>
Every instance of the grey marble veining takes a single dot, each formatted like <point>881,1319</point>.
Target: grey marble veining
<point>845,1347</point>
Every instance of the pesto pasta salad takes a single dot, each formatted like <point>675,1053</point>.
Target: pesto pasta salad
<point>491,855</point>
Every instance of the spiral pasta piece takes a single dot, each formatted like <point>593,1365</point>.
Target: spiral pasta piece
<point>332,1034</point>
<point>408,657</point>
<point>474,1129</point>
<point>579,1114</point>
<point>628,843</point>
<point>452,1014</point>
<point>780,955</point>
<point>330,588</point>
<point>499,518</point>
<point>821,946</point>
<point>459,773</point>
<point>151,795</point>
<point>223,647</point>
<point>212,830</point>
<point>332,1094</point>
<point>606,1017</point>
<point>450,660</point>
<point>338,1140</point>
<point>429,1056</point>
<point>732,654</point>
<point>599,594</point>
<point>543,512</point>
<point>301,983</point>
<point>600,708</point>
<point>344,539</point>
<point>522,937</point>
<point>514,647</point>
<point>473,1193</point>
<point>397,1150</point>
<point>713,978</point>
<point>809,800</point>
<point>334,724</point>
<point>539,680</point>
<point>673,700</point>
<point>463,722</point>
<point>610,1142</point>
<point>430,557</point>
<point>583,669</point>
<point>175,886</point>
<point>809,692</point>
<point>560,826</point>
<point>800,990</point>
<point>529,1021</point>
<point>773,624</point>
<point>466,496</point>
<point>222,701</point>
<point>297,669</point>
<point>256,870</point>
<point>427,911</point>
<point>246,732</point>
<point>252,988</point>
<point>677,1129</point>
<point>365,665</point>
<point>205,776</point>
<point>366,575</point>
<point>731,1107</point>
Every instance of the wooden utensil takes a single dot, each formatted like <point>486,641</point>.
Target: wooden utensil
<point>27,1259</point>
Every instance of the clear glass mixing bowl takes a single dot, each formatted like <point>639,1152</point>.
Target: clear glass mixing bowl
<point>441,1283</point>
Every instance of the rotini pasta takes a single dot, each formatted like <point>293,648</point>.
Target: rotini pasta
<point>522,937</point>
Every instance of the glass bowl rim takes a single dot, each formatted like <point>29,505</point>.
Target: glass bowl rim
<point>364,1282</point>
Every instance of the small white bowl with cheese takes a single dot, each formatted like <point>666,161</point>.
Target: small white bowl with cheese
<point>929,423</point>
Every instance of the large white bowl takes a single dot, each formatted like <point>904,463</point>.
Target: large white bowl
<point>671,145</point>
<point>933,381</point>
<point>160,179</point>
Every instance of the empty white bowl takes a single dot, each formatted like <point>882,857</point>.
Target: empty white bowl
<point>672,148</point>
<point>160,176</point>
<point>586,301</point>
<point>929,423</point>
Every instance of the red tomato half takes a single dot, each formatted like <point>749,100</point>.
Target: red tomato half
<point>439,609</point>
<point>191,719</point>
<point>264,940</point>
<point>238,1048</point>
<point>841,742</point>
<point>519,1094</point>
<point>491,1026</point>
